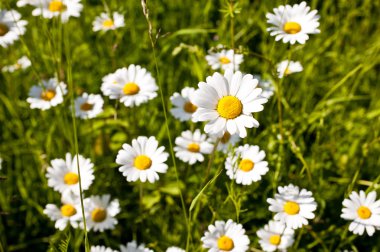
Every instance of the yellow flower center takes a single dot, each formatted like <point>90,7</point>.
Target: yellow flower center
<point>275,240</point>
<point>224,60</point>
<point>291,208</point>
<point>193,147</point>
<point>4,29</point>
<point>225,138</point>
<point>56,6</point>
<point>364,212</point>
<point>47,95</point>
<point>246,165</point>
<point>86,106</point>
<point>225,243</point>
<point>142,162</point>
<point>131,88</point>
<point>292,27</point>
<point>108,23</point>
<point>68,210</point>
<point>98,214</point>
<point>189,107</point>
<point>229,107</point>
<point>287,71</point>
<point>71,178</point>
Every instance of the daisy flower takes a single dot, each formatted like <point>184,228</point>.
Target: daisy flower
<point>225,236</point>
<point>225,59</point>
<point>58,8</point>
<point>142,160</point>
<point>11,27</point>
<point>266,86</point>
<point>88,105</point>
<point>183,107</point>
<point>174,249</point>
<point>22,3</point>
<point>63,174</point>
<point>228,102</point>
<point>275,236</point>
<point>68,213</point>
<point>246,165</point>
<point>133,86</point>
<point>190,147</point>
<point>364,211</point>
<point>284,68</point>
<point>101,249</point>
<point>293,23</point>
<point>227,141</point>
<point>101,212</point>
<point>292,206</point>
<point>105,23</point>
<point>22,63</point>
<point>47,94</point>
<point>133,247</point>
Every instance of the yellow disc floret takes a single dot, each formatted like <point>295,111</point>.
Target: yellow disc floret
<point>246,165</point>
<point>292,27</point>
<point>291,208</point>
<point>275,240</point>
<point>68,210</point>
<point>4,29</point>
<point>108,23</point>
<point>131,88</point>
<point>98,214</point>
<point>224,60</point>
<point>193,147</point>
<point>47,95</point>
<point>364,212</point>
<point>225,243</point>
<point>56,6</point>
<point>142,162</point>
<point>86,106</point>
<point>229,107</point>
<point>189,107</point>
<point>71,178</point>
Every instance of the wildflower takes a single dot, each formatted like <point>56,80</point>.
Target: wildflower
<point>11,27</point>
<point>284,68</point>
<point>47,94</point>
<point>246,165</point>
<point>22,63</point>
<point>105,23</point>
<point>293,23</point>
<point>275,236</point>
<point>174,249</point>
<point>184,108</point>
<point>226,142</point>
<point>88,105</point>
<point>133,247</point>
<point>142,160</point>
<point>101,249</point>
<point>64,9</point>
<point>266,86</point>
<point>225,59</point>
<point>292,206</point>
<point>22,3</point>
<point>227,103</point>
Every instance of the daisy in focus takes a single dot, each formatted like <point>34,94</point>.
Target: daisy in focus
<point>68,213</point>
<point>190,147</point>
<point>64,9</point>
<point>174,249</point>
<point>142,160</point>
<point>225,59</point>
<point>101,212</point>
<point>47,94</point>
<point>88,105</point>
<point>133,247</point>
<point>227,141</point>
<point>285,68</point>
<point>11,27</point>
<point>227,103</point>
<point>293,23</point>
<point>183,107</point>
<point>275,236</point>
<point>105,23</point>
<point>133,86</point>
<point>225,236</point>
<point>63,174</point>
<point>293,206</point>
<point>364,211</point>
<point>246,165</point>
<point>101,249</point>
<point>22,63</point>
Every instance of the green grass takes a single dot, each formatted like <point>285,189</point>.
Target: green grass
<point>330,122</point>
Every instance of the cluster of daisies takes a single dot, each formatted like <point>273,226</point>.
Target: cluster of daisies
<point>131,247</point>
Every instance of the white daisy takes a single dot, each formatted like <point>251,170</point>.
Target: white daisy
<point>47,94</point>
<point>68,212</point>
<point>275,236</point>
<point>225,59</point>
<point>22,63</point>
<point>22,3</point>
<point>101,212</point>
<point>58,8</point>
<point>174,249</point>
<point>246,165</point>
<point>88,105</point>
<point>11,27</point>
<point>364,211</point>
<point>284,68</point>
<point>266,85</point>
<point>101,249</point>
<point>292,206</point>
<point>133,247</point>
<point>227,141</point>
<point>225,236</point>
<point>293,23</point>
<point>191,146</point>
<point>142,160</point>
<point>63,174</point>
<point>183,107</point>
<point>105,23</point>
<point>133,86</point>
<point>228,102</point>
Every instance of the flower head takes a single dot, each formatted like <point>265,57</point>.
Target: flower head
<point>22,63</point>
<point>46,95</point>
<point>88,105</point>
<point>183,107</point>
<point>286,67</point>
<point>64,9</point>
<point>133,247</point>
<point>275,236</point>
<point>11,27</point>
<point>105,22</point>
<point>225,59</point>
<point>101,249</point>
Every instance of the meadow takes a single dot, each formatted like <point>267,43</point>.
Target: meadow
<point>320,129</point>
